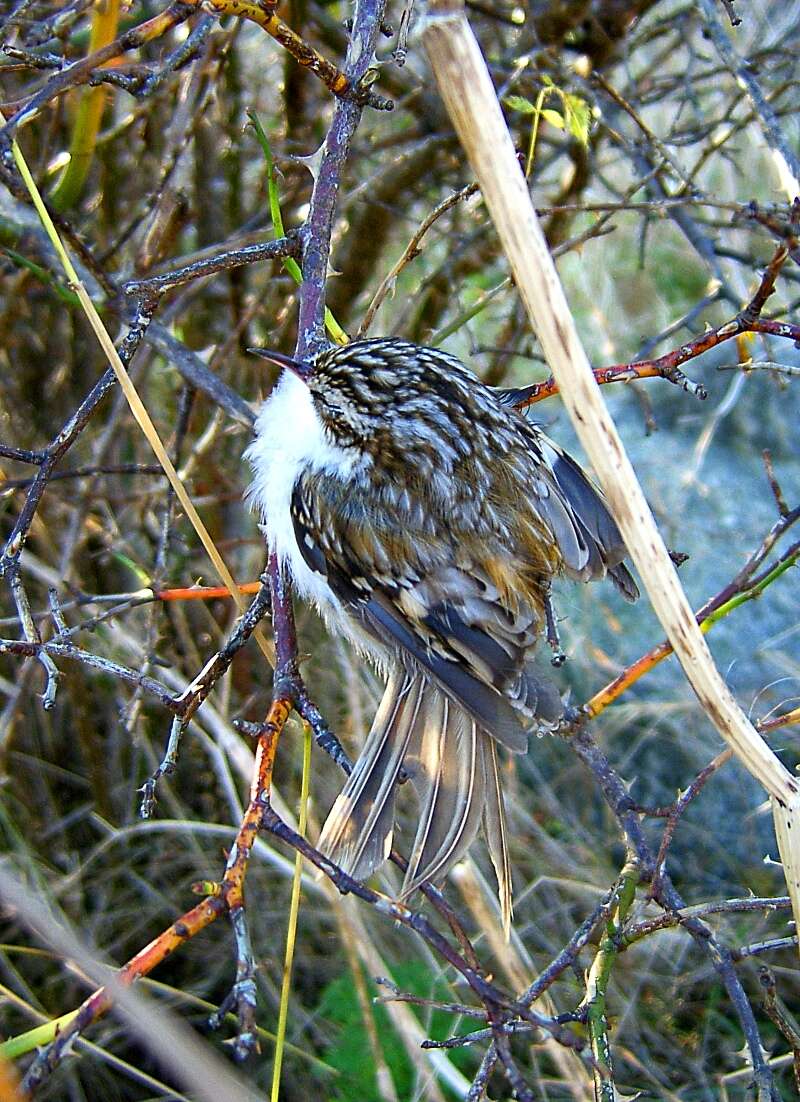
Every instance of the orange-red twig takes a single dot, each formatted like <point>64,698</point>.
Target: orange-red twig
<point>667,366</point>
<point>233,881</point>
<point>203,592</point>
<point>144,962</point>
<point>227,897</point>
<point>9,1084</point>
<point>629,676</point>
<point>264,15</point>
<point>744,587</point>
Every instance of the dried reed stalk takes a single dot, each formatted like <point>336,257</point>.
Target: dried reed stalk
<point>468,93</point>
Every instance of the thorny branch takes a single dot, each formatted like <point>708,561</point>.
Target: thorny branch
<point>748,320</point>
<point>176,287</point>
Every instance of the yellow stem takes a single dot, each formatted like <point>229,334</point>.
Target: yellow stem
<point>291,933</point>
<point>105,21</point>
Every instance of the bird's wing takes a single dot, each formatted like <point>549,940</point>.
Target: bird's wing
<point>428,600</point>
<point>574,509</point>
<point>591,513</point>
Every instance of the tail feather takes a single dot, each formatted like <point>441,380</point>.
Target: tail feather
<point>453,764</point>
<point>450,777</point>
<point>494,827</point>
<point>357,834</point>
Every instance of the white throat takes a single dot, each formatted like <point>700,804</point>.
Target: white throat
<point>291,439</point>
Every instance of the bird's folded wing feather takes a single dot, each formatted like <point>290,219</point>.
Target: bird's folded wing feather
<point>575,509</point>
<point>428,599</point>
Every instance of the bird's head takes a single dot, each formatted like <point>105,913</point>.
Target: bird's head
<point>392,398</point>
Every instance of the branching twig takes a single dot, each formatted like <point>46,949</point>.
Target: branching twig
<point>80,71</point>
<point>745,586</point>
<point>212,211</point>
<point>764,113</point>
<point>411,252</point>
<point>597,987</point>
<point>748,320</point>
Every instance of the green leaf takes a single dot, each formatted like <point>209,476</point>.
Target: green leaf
<point>519,103</point>
<point>141,575</point>
<point>272,180</point>
<point>555,118</point>
<point>349,1052</point>
<point>578,117</point>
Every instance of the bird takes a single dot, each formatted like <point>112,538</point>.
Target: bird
<point>426,518</point>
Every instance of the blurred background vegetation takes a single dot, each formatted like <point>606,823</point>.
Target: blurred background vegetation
<point>643,170</point>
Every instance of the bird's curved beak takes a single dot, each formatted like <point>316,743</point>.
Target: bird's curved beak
<point>301,370</point>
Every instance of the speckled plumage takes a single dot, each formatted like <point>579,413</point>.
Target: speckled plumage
<point>425,517</point>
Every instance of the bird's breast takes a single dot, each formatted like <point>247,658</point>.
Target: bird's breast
<point>289,442</point>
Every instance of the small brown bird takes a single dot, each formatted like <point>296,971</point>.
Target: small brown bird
<point>425,517</point>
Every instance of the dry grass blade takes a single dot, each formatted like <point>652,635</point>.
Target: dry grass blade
<point>467,90</point>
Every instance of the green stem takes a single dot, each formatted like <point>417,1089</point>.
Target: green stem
<point>290,264</point>
<point>597,987</point>
<point>37,1037</point>
<point>468,314</point>
<point>105,22</point>
<point>537,114</point>
<point>751,593</point>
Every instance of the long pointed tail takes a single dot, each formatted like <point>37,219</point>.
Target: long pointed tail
<point>494,827</point>
<point>453,765</point>
<point>358,831</point>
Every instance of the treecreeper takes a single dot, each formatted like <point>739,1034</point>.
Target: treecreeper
<point>426,517</point>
